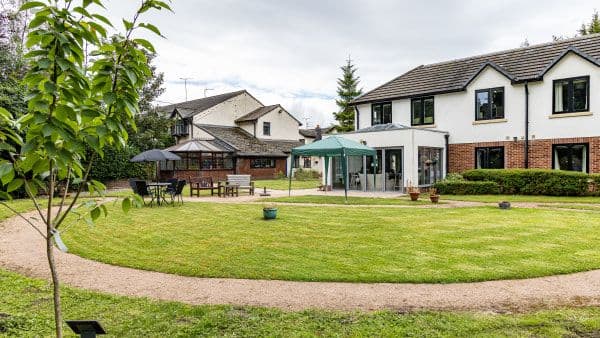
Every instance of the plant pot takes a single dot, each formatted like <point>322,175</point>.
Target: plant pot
<point>504,205</point>
<point>270,213</point>
<point>414,196</point>
<point>434,198</point>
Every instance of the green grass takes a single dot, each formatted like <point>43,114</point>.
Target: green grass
<point>282,184</point>
<point>25,311</point>
<point>345,244</point>
<point>523,198</point>
<point>320,199</point>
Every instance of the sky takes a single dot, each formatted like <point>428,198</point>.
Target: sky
<point>289,52</point>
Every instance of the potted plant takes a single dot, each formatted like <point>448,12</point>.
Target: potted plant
<point>414,192</point>
<point>504,205</point>
<point>270,211</point>
<point>433,195</point>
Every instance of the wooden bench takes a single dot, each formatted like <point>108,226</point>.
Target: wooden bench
<point>242,181</point>
<point>202,183</point>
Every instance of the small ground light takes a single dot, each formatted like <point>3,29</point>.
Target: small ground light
<point>86,328</point>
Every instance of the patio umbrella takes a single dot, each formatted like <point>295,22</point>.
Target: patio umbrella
<point>155,155</point>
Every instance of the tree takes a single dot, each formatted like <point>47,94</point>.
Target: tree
<point>12,65</point>
<point>592,27</point>
<point>153,87</point>
<point>347,91</point>
<point>73,104</point>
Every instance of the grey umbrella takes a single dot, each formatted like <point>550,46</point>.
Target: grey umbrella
<point>155,155</point>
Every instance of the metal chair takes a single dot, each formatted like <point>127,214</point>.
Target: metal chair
<point>178,192</point>
<point>142,189</point>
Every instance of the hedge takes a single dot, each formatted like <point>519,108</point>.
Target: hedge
<point>116,165</point>
<point>534,181</point>
<point>457,187</point>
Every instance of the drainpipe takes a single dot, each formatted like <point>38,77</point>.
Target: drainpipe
<point>357,117</point>
<point>447,142</point>
<point>526,125</point>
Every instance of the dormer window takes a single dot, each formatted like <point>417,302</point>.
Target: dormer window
<point>267,128</point>
<point>489,104</point>
<point>571,95</point>
<point>180,128</point>
<point>422,111</point>
<point>381,113</point>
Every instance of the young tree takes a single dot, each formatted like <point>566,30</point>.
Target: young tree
<point>72,106</point>
<point>592,27</point>
<point>347,91</point>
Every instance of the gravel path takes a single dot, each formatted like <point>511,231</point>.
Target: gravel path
<point>22,250</point>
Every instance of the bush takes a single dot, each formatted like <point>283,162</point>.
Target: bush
<point>304,175</point>
<point>116,165</point>
<point>534,181</point>
<point>458,187</point>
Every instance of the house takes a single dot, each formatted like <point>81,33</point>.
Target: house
<point>231,133</point>
<point>311,135</point>
<point>532,107</point>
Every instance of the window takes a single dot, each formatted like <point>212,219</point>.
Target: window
<point>307,163</point>
<point>422,111</point>
<point>489,158</point>
<point>489,104</point>
<point>571,95</point>
<point>571,157</point>
<point>267,128</point>
<point>381,113</point>
<point>259,163</point>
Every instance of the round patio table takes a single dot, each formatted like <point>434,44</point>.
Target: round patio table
<point>159,192</point>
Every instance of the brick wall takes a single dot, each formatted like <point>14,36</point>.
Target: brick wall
<point>243,168</point>
<point>462,156</point>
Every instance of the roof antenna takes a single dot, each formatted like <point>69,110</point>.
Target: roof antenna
<point>207,89</point>
<point>185,80</point>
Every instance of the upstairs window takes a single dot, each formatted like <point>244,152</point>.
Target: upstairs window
<point>267,128</point>
<point>381,113</point>
<point>489,158</point>
<point>489,104</point>
<point>572,157</point>
<point>571,95</point>
<point>422,111</point>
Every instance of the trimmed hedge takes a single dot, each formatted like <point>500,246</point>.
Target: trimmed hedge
<point>534,181</point>
<point>458,187</point>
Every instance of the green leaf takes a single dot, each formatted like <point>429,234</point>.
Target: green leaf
<point>14,185</point>
<point>95,213</point>
<point>5,196</point>
<point>103,19</point>
<point>7,172</point>
<point>128,24</point>
<point>146,44</point>
<point>151,28</point>
<point>31,4</point>
<point>110,98</point>
<point>126,205</point>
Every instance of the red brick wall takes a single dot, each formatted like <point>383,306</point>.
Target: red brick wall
<point>462,156</point>
<point>243,168</point>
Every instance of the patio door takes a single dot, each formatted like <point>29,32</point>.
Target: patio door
<point>393,170</point>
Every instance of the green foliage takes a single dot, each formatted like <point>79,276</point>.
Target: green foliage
<point>12,63</point>
<point>534,181</point>
<point>303,174</point>
<point>458,187</point>
<point>154,85</point>
<point>347,91</point>
<point>153,131</point>
<point>592,27</point>
<point>116,165</point>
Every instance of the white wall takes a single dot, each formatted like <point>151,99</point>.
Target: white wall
<point>283,126</point>
<point>225,113</point>
<point>455,112</point>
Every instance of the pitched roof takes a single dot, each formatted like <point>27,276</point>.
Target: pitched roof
<point>213,146</point>
<point>193,107</point>
<point>257,113</point>
<point>312,133</point>
<point>245,144</point>
<point>519,65</point>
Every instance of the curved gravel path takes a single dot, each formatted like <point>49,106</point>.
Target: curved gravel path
<point>22,250</point>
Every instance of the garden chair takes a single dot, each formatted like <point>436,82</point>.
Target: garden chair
<point>177,194</point>
<point>132,184</point>
<point>173,187</point>
<point>202,183</point>
<point>142,189</point>
<point>242,181</point>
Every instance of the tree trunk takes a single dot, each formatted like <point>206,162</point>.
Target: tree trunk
<point>55,283</point>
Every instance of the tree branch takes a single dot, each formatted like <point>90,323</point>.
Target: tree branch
<point>24,218</point>
<point>84,182</point>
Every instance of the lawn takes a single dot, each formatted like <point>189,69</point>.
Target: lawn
<point>25,311</point>
<point>282,184</point>
<point>345,244</point>
<point>523,198</point>
<point>320,199</point>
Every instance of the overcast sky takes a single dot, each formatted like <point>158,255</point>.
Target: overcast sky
<point>289,52</point>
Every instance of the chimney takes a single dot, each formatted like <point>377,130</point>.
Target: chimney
<point>318,135</point>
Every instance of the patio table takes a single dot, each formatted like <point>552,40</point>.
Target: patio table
<point>159,190</point>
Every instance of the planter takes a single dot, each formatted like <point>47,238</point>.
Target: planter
<point>434,198</point>
<point>504,205</point>
<point>414,196</point>
<point>270,213</point>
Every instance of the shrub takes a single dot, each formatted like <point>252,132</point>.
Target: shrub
<point>458,187</point>
<point>303,174</point>
<point>116,165</point>
<point>533,181</point>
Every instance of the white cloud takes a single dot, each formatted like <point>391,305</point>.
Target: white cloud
<point>289,52</point>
